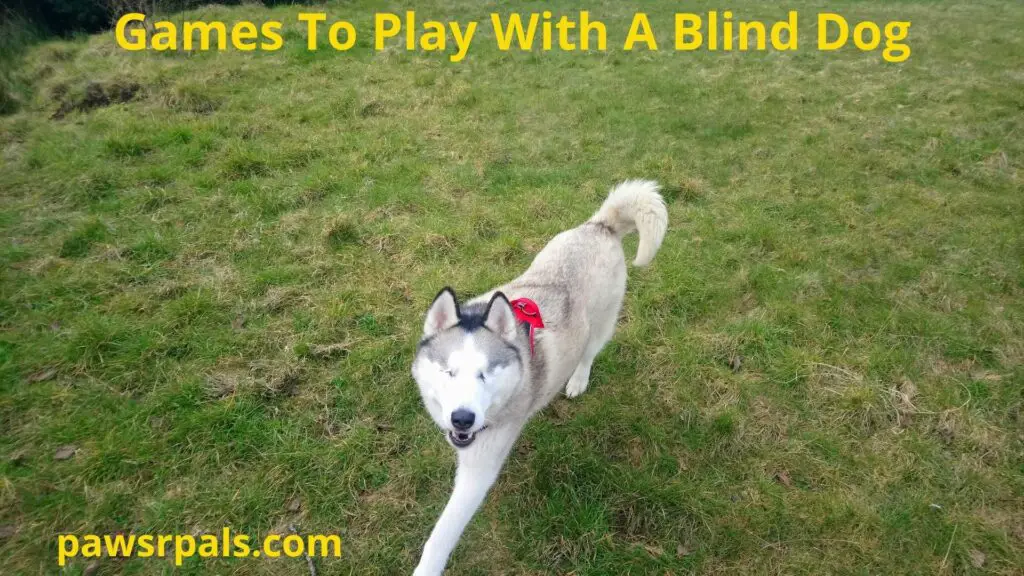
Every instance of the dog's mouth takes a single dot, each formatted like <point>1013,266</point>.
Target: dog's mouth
<point>462,439</point>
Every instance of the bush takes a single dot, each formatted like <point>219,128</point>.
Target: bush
<point>67,17</point>
<point>16,32</point>
<point>23,22</point>
<point>63,17</point>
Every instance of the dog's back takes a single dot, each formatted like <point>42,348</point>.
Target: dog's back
<point>579,280</point>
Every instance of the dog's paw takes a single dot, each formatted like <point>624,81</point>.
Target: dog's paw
<point>575,386</point>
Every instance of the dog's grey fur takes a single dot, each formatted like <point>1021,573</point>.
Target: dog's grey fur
<point>477,357</point>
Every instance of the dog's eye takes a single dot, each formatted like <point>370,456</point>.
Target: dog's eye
<point>480,376</point>
<point>450,373</point>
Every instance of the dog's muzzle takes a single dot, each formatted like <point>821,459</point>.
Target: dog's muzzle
<point>463,439</point>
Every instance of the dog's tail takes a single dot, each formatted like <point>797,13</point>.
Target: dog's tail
<point>636,205</point>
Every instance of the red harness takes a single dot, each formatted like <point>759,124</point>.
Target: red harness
<point>526,310</point>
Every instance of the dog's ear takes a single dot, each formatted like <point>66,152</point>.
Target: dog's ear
<point>443,313</point>
<point>499,318</point>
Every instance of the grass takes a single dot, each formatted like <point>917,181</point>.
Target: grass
<point>212,289</point>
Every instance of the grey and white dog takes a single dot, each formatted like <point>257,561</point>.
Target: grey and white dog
<point>482,376</point>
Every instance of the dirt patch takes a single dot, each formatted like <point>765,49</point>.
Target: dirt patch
<point>902,399</point>
<point>278,299</point>
<point>373,108</point>
<point>269,381</point>
<point>191,98</point>
<point>97,95</point>
<point>281,382</point>
<point>636,518</point>
<point>343,230</point>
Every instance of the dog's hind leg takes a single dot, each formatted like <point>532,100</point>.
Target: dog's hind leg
<point>600,333</point>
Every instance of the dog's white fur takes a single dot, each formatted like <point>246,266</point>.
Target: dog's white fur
<point>480,360</point>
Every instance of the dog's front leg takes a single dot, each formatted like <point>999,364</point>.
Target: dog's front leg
<point>471,486</point>
<point>478,468</point>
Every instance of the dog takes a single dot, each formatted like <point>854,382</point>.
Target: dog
<point>484,367</point>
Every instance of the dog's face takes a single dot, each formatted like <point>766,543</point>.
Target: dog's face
<point>467,365</point>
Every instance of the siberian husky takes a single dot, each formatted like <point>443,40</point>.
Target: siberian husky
<point>486,366</point>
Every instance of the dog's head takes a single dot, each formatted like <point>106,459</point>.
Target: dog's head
<point>468,363</point>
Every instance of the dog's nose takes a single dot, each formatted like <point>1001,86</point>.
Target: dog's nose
<point>463,419</point>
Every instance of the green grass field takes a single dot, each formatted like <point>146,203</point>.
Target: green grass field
<point>212,291</point>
